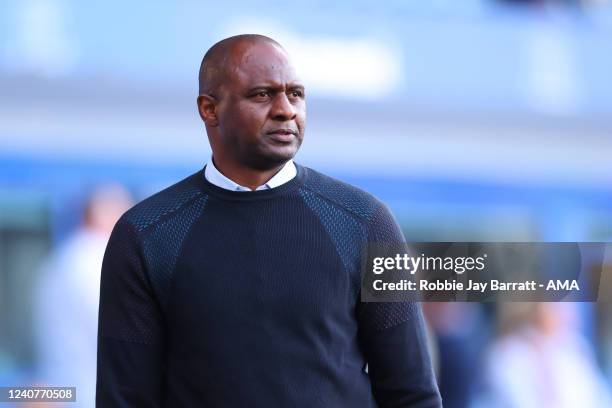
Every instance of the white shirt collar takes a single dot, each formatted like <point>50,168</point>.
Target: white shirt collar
<point>214,176</point>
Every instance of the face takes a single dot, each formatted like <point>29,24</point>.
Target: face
<point>261,109</point>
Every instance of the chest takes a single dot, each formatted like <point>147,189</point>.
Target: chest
<point>244,263</point>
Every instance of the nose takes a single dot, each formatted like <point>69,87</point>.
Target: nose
<point>283,109</point>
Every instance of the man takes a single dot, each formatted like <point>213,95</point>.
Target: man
<point>66,298</point>
<point>216,295</point>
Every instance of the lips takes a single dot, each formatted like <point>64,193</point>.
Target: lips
<point>282,135</point>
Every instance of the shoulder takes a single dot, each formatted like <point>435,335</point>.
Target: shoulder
<point>352,199</point>
<point>165,204</point>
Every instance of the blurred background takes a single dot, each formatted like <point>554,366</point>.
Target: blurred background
<point>475,120</point>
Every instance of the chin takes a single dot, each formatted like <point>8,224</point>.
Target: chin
<point>273,159</point>
<point>285,156</point>
<point>281,152</point>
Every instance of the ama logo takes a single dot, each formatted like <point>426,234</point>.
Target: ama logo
<point>562,285</point>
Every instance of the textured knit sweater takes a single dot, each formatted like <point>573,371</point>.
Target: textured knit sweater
<point>216,298</point>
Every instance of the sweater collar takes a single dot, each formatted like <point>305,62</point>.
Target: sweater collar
<point>214,176</point>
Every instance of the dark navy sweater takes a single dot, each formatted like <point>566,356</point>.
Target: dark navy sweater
<point>215,298</point>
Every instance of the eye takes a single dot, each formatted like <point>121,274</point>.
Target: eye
<point>261,95</point>
<point>296,94</point>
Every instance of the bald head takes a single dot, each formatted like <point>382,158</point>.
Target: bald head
<point>253,106</point>
<point>217,62</point>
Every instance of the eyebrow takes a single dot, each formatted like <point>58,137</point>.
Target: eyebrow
<point>275,87</point>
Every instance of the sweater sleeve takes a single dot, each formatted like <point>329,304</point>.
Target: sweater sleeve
<point>130,370</point>
<point>394,339</point>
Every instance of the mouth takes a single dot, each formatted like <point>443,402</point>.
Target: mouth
<point>282,135</point>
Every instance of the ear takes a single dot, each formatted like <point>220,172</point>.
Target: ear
<point>207,106</point>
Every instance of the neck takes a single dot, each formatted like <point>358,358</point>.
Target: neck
<point>246,176</point>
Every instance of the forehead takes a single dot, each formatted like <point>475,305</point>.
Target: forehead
<point>260,63</point>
